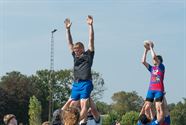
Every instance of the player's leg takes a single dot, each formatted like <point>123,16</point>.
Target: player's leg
<point>159,106</point>
<point>94,111</point>
<point>148,102</point>
<point>87,87</point>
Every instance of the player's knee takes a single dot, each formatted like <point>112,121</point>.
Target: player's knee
<point>158,106</point>
<point>83,103</point>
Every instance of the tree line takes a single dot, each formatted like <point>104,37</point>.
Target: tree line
<point>16,90</point>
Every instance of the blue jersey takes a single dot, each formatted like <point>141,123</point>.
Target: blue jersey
<point>166,121</point>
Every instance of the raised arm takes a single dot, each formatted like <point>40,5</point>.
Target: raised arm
<point>68,34</point>
<point>144,58</point>
<point>160,116</point>
<point>142,110</point>
<point>153,53</point>
<point>94,110</point>
<point>152,113</point>
<point>67,104</point>
<point>166,109</point>
<point>91,33</point>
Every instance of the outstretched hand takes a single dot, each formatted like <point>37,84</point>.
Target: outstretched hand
<point>67,23</point>
<point>151,44</point>
<point>89,20</point>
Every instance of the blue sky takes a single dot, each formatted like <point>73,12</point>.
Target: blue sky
<point>120,27</point>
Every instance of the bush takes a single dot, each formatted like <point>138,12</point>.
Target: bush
<point>130,118</point>
<point>34,111</point>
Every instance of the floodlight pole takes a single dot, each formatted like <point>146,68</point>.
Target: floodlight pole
<point>51,79</point>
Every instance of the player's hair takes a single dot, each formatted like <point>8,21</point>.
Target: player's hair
<point>143,119</point>
<point>70,116</point>
<point>160,58</point>
<point>79,44</point>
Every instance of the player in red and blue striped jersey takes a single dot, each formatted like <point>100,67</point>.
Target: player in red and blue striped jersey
<point>156,86</point>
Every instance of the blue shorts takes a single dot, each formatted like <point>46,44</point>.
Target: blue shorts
<point>81,90</point>
<point>153,94</point>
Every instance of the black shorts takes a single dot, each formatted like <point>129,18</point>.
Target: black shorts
<point>159,99</point>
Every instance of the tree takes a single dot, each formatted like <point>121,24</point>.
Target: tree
<point>171,106</point>
<point>17,87</point>
<point>178,114</point>
<point>103,107</point>
<point>106,120</point>
<point>3,102</point>
<point>99,88</point>
<point>110,118</point>
<point>61,87</point>
<point>126,101</point>
<point>16,90</point>
<point>130,118</point>
<point>60,83</point>
<point>34,111</point>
